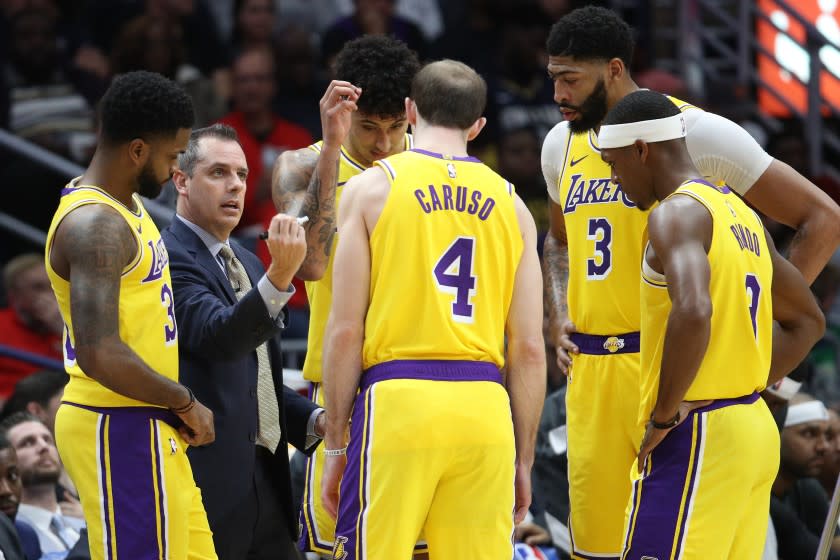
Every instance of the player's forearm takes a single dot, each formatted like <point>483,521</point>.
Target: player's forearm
<point>118,368</point>
<point>791,343</point>
<point>556,280</point>
<point>526,381</point>
<point>815,241</point>
<point>687,336</point>
<point>319,205</point>
<point>342,367</point>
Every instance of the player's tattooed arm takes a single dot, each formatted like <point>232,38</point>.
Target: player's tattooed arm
<point>556,281</point>
<point>303,184</point>
<point>95,244</point>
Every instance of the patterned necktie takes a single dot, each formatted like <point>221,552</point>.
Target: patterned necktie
<point>268,434</point>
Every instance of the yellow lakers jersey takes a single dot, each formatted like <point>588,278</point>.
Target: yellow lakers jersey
<point>606,244</point>
<point>737,360</point>
<point>444,254</point>
<point>320,292</point>
<point>146,307</point>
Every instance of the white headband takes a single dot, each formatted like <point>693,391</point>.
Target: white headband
<point>811,411</point>
<point>656,130</point>
<point>785,388</point>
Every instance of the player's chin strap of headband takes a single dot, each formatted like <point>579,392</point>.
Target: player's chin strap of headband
<point>656,130</point>
<point>811,411</point>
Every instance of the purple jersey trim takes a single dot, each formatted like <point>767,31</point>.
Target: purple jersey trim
<point>449,158</point>
<point>724,189</point>
<point>431,370</point>
<point>599,345</point>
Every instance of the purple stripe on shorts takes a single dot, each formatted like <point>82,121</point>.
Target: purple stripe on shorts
<point>441,156</point>
<point>160,485</point>
<point>103,490</point>
<point>660,496</point>
<point>689,495</point>
<point>604,345</point>
<point>352,499</point>
<point>431,370</point>
<point>133,486</point>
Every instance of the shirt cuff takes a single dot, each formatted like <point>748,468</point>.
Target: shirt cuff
<point>274,299</point>
<point>311,437</point>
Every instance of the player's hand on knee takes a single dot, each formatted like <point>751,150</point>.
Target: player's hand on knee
<point>198,428</point>
<point>565,347</point>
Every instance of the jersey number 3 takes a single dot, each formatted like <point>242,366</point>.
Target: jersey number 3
<point>600,231</point>
<point>753,291</point>
<point>453,275</point>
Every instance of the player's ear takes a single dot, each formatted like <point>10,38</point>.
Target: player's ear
<point>476,128</point>
<point>411,111</point>
<point>642,150</point>
<point>138,151</point>
<point>615,68</point>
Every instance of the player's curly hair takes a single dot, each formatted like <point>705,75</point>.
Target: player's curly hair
<point>591,33</point>
<point>641,105</point>
<point>143,104</point>
<point>383,67</point>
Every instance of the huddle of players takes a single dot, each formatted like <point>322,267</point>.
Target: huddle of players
<point>600,222</point>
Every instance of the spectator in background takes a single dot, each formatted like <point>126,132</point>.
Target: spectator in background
<point>253,26</point>
<point>57,525</point>
<point>51,100</point>
<point>157,45</point>
<point>38,394</point>
<point>262,134</point>
<point>831,467</point>
<point>10,493</point>
<point>297,78</point>
<point>519,162</point>
<point>824,381</point>
<point>799,505</point>
<point>32,322</point>
<point>371,17</point>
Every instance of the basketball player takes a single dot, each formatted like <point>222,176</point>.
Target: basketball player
<point>125,422</point>
<point>712,285</point>
<point>436,270</point>
<point>375,73</point>
<point>593,250</point>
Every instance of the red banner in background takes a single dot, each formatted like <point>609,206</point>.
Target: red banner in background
<point>790,57</point>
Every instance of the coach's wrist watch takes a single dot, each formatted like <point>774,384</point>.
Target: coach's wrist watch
<point>667,424</point>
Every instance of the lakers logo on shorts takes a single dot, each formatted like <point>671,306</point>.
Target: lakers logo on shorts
<point>613,344</point>
<point>338,549</point>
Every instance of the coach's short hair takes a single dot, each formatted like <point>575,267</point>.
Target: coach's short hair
<point>383,67</point>
<point>16,419</point>
<point>591,33</point>
<point>38,387</point>
<point>641,105</point>
<point>449,93</point>
<point>192,155</point>
<point>143,105</point>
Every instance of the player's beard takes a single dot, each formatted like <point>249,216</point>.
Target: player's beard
<point>148,184</point>
<point>592,111</point>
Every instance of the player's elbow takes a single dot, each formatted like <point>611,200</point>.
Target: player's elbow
<point>91,360</point>
<point>829,223</point>
<point>528,351</point>
<point>694,313</point>
<point>815,325</point>
<point>311,270</point>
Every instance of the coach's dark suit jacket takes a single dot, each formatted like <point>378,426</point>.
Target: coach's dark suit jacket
<point>217,341</point>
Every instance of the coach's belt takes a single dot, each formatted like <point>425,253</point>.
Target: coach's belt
<point>599,345</point>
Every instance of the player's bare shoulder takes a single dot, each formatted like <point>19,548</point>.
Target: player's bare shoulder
<point>92,235</point>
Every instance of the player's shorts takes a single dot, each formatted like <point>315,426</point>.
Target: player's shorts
<point>135,483</point>
<point>705,490</point>
<point>432,455</point>
<point>603,432</point>
<point>317,528</point>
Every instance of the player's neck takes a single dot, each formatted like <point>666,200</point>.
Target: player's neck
<point>441,140</point>
<point>783,483</point>
<point>108,173</point>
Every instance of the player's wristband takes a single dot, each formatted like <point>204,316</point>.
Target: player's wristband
<point>665,425</point>
<point>335,452</point>
<point>187,407</point>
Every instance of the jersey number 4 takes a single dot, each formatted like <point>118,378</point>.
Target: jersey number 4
<point>453,275</point>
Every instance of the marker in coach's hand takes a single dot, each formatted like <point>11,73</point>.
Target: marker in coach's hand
<point>300,220</point>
